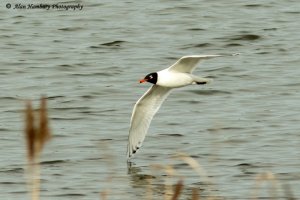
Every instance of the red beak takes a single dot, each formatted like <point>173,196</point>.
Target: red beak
<point>143,80</point>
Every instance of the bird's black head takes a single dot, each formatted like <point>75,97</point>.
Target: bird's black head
<point>151,78</point>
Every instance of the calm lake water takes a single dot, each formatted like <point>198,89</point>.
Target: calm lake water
<point>88,63</point>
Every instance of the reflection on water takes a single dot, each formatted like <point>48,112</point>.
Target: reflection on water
<point>162,180</point>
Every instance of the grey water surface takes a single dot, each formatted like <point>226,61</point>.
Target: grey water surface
<point>88,63</point>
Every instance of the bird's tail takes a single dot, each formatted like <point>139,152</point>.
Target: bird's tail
<point>201,81</point>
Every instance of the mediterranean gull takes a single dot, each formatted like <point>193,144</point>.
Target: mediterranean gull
<point>176,76</point>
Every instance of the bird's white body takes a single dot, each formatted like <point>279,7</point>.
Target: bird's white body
<point>171,79</point>
<point>167,78</point>
<point>177,75</point>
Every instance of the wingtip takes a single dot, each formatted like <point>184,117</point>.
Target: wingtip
<point>212,55</point>
<point>203,56</point>
<point>230,54</point>
<point>130,153</point>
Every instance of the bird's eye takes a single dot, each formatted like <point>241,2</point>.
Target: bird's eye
<point>151,77</point>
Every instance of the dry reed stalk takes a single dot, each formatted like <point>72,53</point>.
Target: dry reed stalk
<point>288,192</point>
<point>168,185</point>
<point>36,137</point>
<point>44,134</point>
<point>194,165</point>
<point>29,131</point>
<point>149,192</point>
<point>171,172</point>
<point>195,194</point>
<point>104,194</point>
<point>198,169</point>
<point>109,158</point>
<point>266,177</point>
<point>178,189</point>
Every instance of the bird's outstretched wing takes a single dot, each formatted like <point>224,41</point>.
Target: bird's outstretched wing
<point>187,64</point>
<point>143,112</point>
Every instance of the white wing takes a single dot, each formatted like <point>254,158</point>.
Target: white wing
<point>187,64</point>
<point>143,112</point>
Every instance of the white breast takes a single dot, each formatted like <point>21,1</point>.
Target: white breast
<point>172,79</point>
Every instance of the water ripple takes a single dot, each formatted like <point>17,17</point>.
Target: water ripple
<point>209,92</point>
